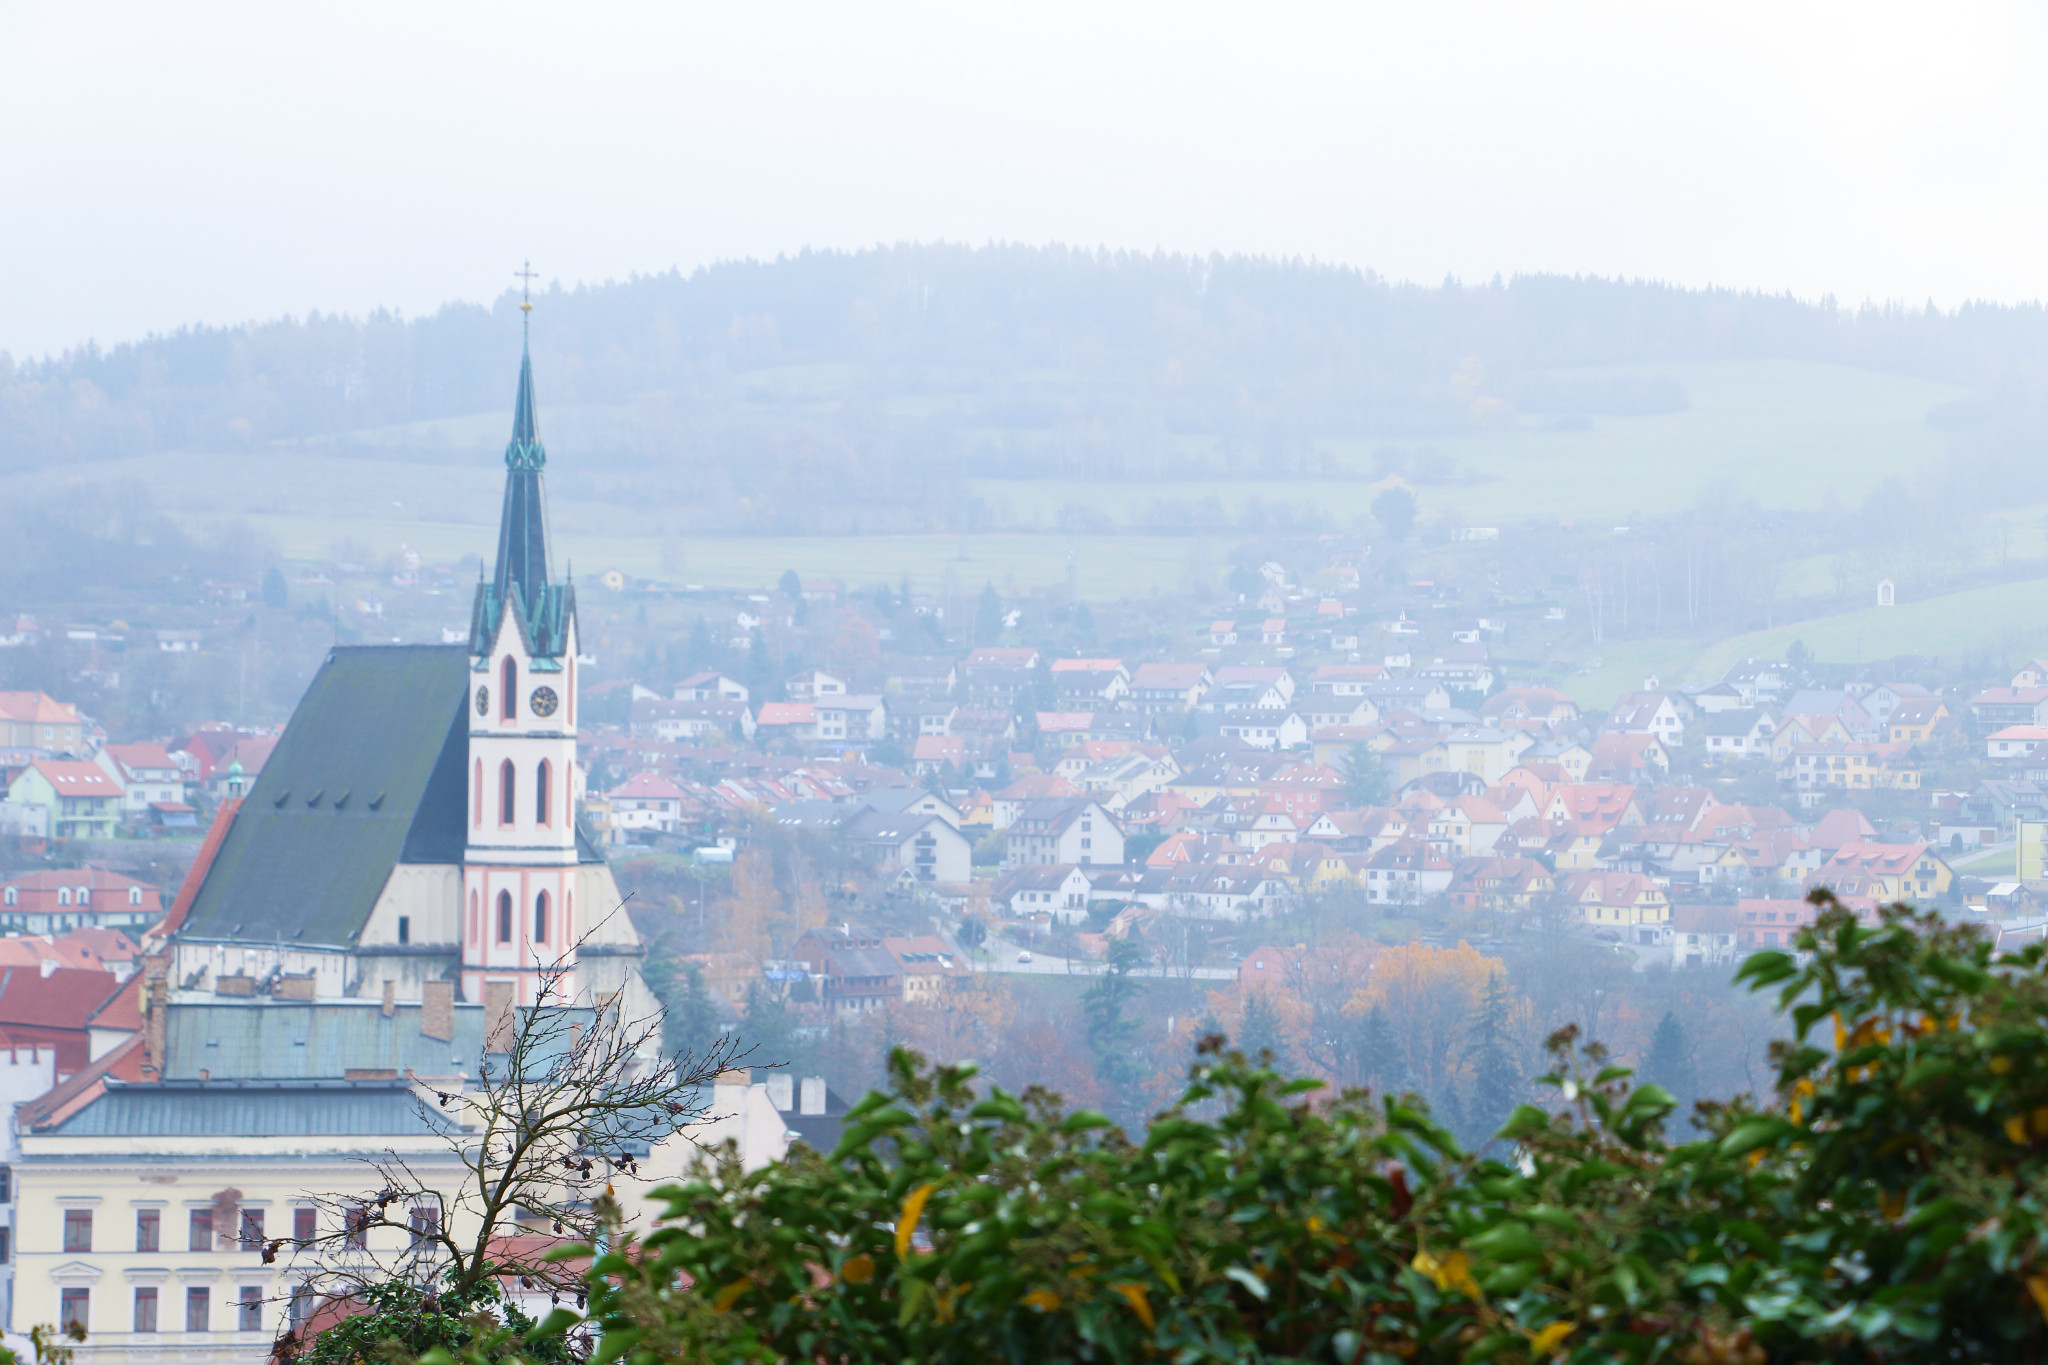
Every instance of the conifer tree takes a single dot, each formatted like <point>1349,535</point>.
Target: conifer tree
<point>1497,1080</point>
<point>1670,1064</point>
<point>1260,1035</point>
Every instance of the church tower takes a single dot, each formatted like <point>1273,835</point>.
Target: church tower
<point>520,910</point>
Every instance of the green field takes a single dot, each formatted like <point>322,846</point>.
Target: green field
<point>1788,432</point>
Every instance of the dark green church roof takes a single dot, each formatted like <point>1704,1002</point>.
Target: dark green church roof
<point>369,774</point>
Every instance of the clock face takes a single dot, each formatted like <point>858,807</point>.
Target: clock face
<point>544,701</point>
<point>483,701</point>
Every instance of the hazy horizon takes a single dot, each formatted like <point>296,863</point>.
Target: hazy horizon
<point>249,163</point>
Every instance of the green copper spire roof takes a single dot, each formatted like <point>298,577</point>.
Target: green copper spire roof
<point>520,580</point>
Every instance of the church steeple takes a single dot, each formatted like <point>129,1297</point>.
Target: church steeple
<point>520,582</point>
<point>523,526</point>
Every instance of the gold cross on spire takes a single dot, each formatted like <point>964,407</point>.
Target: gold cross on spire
<point>525,276</point>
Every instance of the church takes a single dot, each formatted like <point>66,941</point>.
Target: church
<point>417,821</point>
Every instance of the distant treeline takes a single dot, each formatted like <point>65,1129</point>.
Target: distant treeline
<point>868,376</point>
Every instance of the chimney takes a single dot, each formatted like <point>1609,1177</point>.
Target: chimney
<point>813,1099</point>
<point>296,987</point>
<point>49,966</point>
<point>437,1010</point>
<point>156,990</point>
<point>779,1086</point>
<point>497,1016</point>
<point>390,998</point>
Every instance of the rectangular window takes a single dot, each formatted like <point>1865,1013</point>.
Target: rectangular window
<point>302,1304</point>
<point>249,1312</point>
<point>405,928</point>
<point>6,1185</point>
<point>6,1245</point>
<point>252,1229</point>
<point>305,1224</point>
<point>358,1229</point>
<point>198,1310</point>
<point>78,1229</point>
<point>74,1309</point>
<point>145,1309</point>
<point>149,1225</point>
<point>425,1222</point>
<point>200,1234</point>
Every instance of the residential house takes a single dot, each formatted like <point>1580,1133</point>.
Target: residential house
<point>921,847</point>
<point>50,901</point>
<point>1344,680</point>
<point>1277,728</point>
<point>995,676</point>
<point>794,722</point>
<point>1529,706</point>
<point>1089,683</point>
<point>647,802</point>
<point>1891,872</point>
<point>850,718</point>
<point>1797,731</point>
<point>1056,889</point>
<point>710,686</point>
<point>1239,894</point>
<point>1169,688</point>
<point>1650,713</point>
<point>1704,935</point>
<point>1739,732</point>
<point>1467,827</point>
<point>1242,686</point>
<point>1223,633</point>
<point>853,970</point>
<point>921,677</point>
<point>1628,903</point>
<point>1917,721</point>
<point>1406,872</point>
<point>1031,787</point>
<point>693,721</point>
<point>1635,758</point>
<point>1487,753</point>
<point>36,725</point>
<point>1074,830</point>
<point>1487,883</point>
<point>931,967</point>
<point>77,797</point>
<point>149,777</point>
<point>1337,710</point>
<point>814,684</point>
<point>2015,741</point>
<point>1997,707</point>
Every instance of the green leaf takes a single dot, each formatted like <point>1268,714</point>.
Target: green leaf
<point>1253,1285</point>
<point>1756,1133</point>
<point>1083,1120</point>
<point>553,1325</point>
<point>1525,1121</point>
<point>1512,1241</point>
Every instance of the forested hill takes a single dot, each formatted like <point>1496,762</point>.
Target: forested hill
<point>938,343</point>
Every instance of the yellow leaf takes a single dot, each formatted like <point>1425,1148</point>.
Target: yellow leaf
<point>2037,1285</point>
<point>906,1222</point>
<point>1453,1272</point>
<point>1841,1034</point>
<point>2000,1065</point>
<point>1547,1341</point>
<point>2041,1121</point>
<point>1042,1299</point>
<point>1134,1294</point>
<point>858,1269</point>
<point>2016,1129</point>
<point>1890,1205</point>
<point>730,1295</point>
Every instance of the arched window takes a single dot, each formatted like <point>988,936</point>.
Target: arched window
<point>63,895</point>
<point>540,793</point>
<point>135,895</point>
<point>508,793</point>
<point>476,928</point>
<point>540,918</point>
<point>476,818</point>
<point>12,898</point>
<point>504,917</point>
<point>569,917</point>
<point>508,690</point>
<point>85,895</point>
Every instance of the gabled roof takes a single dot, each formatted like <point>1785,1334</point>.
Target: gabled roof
<point>369,774</point>
<point>66,998</point>
<point>36,708</point>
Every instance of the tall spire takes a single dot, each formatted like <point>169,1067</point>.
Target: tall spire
<point>520,581</point>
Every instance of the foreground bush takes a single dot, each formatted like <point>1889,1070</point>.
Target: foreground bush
<point>1887,1207</point>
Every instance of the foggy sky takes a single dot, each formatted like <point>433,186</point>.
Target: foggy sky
<point>165,164</point>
